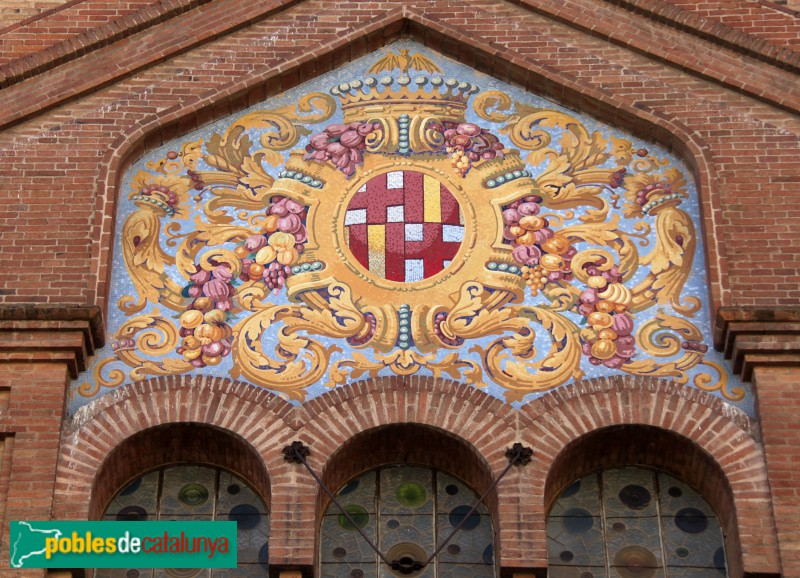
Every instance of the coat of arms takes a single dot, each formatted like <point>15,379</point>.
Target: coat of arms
<point>430,226</point>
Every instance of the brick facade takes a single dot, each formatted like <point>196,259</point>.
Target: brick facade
<point>86,88</point>
<point>370,423</point>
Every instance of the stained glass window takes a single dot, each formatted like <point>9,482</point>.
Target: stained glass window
<point>406,511</point>
<point>633,523</point>
<point>195,493</point>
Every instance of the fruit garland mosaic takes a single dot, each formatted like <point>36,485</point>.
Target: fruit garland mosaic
<point>417,219</point>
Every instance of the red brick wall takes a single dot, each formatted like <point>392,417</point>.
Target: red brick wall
<point>779,401</point>
<point>724,113</point>
<point>40,351</point>
<point>86,89</point>
<point>31,428</point>
<point>16,10</point>
<point>39,25</point>
<point>775,22</point>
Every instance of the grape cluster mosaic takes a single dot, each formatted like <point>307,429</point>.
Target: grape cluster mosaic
<point>406,511</point>
<point>195,493</point>
<point>633,523</point>
<point>407,215</point>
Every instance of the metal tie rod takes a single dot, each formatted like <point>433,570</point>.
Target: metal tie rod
<point>517,455</point>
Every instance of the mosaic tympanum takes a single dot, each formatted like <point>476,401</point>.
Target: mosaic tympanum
<point>415,218</point>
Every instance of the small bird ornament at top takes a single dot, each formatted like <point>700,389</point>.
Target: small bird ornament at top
<point>404,62</point>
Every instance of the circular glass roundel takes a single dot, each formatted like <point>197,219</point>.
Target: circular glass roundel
<point>404,226</point>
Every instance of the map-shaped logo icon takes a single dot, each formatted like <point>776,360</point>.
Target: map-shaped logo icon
<point>28,544</point>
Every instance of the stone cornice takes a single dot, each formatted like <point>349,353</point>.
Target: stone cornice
<point>767,337</point>
<point>54,334</point>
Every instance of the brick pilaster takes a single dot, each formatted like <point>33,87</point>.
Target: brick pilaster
<point>40,350</point>
<point>779,403</point>
<point>764,345</point>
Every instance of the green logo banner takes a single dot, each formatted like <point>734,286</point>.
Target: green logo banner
<point>60,544</point>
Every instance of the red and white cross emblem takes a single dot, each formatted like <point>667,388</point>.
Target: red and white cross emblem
<point>404,226</point>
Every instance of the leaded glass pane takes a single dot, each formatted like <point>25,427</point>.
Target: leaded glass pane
<point>634,540</point>
<point>188,491</point>
<point>697,572</point>
<point>340,542</point>
<point>692,534</point>
<point>574,529</point>
<point>629,492</point>
<point>470,544</point>
<point>636,572</point>
<point>182,573</point>
<point>576,539</point>
<point>451,493</point>
<point>465,571</point>
<point>194,493</point>
<point>385,572</point>
<point>251,536</point>
<point>360,491</point>
<point>583,494</point>
<point>242,571</point>
<point>415,529</point>
<point>129,572</point>
<point>408,511</point>
<point>406,490</point>
<point>577,572</point>
<point>136,501</point>
<point>346,570</point>
<point>233,491</point>
<point>633,523</point>
<point>676,495</point>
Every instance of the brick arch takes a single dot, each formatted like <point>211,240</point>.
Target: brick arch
<point>501,62</point>
<point>407,443</point>
<point>412,444</point>
<point>176,443</point>
<point>473,426</point>
<point>573,429</point>
<point>559,426</point>
<point>660,449</point>
<point>160,421</point>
